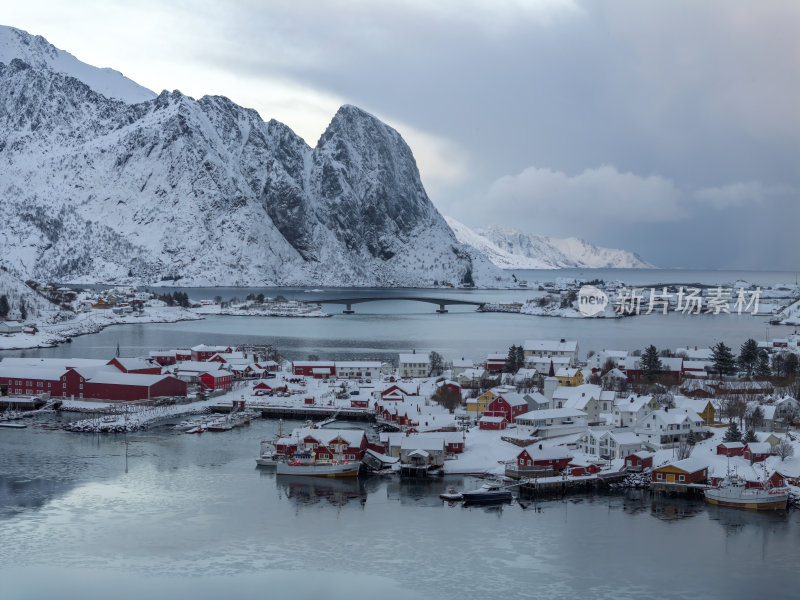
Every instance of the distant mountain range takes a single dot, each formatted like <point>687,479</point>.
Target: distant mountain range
<point>513,249</point>
<point>105,181</point>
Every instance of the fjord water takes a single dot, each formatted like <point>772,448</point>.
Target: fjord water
<point>382,329</point>
<point>193,517</point>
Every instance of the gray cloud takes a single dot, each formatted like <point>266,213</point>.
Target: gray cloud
<point>678,118</point>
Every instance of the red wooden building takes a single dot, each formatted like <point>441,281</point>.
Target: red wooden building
<point>182,355</point>
<point>549,458</point>
<point>639,460</point>
<point>359,402</point>
<point>263,389</point>
<point>580,468</point>
<point>495,363</point>
<point>106,384</point>
<point>318,369</point>
<point>217,380</point>
<point>757,451</point>
<point>135,365</point>
<point>394,393</point>
<point>203,352</point>
<point>492,422</point>
<point>165,359</point>
<point>509,406</point>
<point>730,449</point>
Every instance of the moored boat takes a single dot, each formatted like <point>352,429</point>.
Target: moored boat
<point>304,464</point>
<point>451,495</point>
<point>488,492</point>
<point>733,492</point>
<point>268,456</point>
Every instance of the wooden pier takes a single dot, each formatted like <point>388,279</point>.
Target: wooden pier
<point>561,486</point>
<point>302,413</point>
<point>690,490</point>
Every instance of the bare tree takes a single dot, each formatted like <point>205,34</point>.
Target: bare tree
<point>784,449</point>
<point>436,362</point>
<point>447,397</point>
<point>684,449</point>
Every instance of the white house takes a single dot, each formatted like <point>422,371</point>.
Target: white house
<point>598,360</point>
<point>460,365</point>
<point>631,410</point>
<point>355,369</point>
<point>551,349</point>
<point>414,365</point>
<point>551,422</point>
<point>609,443</point>
<point>669,426</point>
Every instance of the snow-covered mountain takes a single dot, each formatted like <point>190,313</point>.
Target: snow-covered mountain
<point>39,53</point>
<point>513,249</point>
<point>121,190</point>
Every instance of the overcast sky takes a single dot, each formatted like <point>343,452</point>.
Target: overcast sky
<point>668,128</point>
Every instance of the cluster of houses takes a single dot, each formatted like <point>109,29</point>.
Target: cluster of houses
<point>163,374</point>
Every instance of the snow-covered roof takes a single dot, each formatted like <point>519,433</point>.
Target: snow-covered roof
<point>486,419</point>
<point>550,413</point>
<point>357,364</point>
<point>496,357</point>
<point>116,377</point>
<point>197,366</point>
<point>424,442</point>
<point>413,358</point>
<point>587,390</point>
<point>731,445</point>
<point>133,364</point>
<point>353,437</point>
<point>690,465</point>
<point>632,403</point>
<point>463,363</point>
<point>514,399</point>
<point>53,363</point>
<point>567,372</point>
<point>759,447</point>
<point>550,345</point>
<point>24,372</point>
<point>207,348</point>
<point>615,374</point>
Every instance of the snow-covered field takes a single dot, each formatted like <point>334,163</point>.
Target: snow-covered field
<point>92,322</point>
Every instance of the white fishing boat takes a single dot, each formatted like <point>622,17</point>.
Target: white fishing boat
<point>268,456</point>
<point>488,492</point>
<point>733,491</point>
<point>304,464</point>
<point>451,495</point>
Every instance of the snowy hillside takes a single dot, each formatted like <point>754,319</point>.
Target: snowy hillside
<point>38,53</point>
<point>204,192</point>
<point>36,307</point>
<point>512,249</point>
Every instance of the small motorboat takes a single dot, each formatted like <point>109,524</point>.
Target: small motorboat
<point>488,492</point>
<point>451,495</point>
<point>268,456</point>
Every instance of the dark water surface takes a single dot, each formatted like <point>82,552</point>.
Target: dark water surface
<point>194,518</point>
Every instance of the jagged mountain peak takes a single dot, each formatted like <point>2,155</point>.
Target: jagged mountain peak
<point>206,193</point>
<point>510,248</point>
<point>40,54</point>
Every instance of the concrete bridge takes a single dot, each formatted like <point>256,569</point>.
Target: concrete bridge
<point>349,302</point>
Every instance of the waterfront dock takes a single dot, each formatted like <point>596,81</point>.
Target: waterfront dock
<point>561,486</point>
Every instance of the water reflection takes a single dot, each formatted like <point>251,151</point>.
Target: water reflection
<point>312,490</point>
<point>675,509</point>
<point>19,493</point>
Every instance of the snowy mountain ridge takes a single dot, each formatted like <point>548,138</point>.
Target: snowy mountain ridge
<point>513,249</point>
<point>204,192</point>
<point>39,53</point>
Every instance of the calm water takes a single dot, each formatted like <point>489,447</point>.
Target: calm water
<point>382,329</point>
<point>194,518</point>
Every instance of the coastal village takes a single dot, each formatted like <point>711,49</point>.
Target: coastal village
<point>539,418</point>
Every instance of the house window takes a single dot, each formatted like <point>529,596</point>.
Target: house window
<point>660,476</point>
<point>681,478</point>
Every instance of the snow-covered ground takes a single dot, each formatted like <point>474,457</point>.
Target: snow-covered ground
<point>290,308</point>
<point>91,322</point>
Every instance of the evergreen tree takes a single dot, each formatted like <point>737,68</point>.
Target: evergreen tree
<point>519,352</point>
<point>651,363</point>
<point>791,364</point>
<point>4,307</point>
<point>750,436</point>
<point>763,369</point>
<point>748,356</point>
<point>23,310</point>
<point>691,439</point>
<point>511,360</point>
<point>732,434</point>
<point>724,362</point>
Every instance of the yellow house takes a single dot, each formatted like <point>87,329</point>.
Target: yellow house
<point>708,414</point>
<point>479,404</point>
<point>569,377</point>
